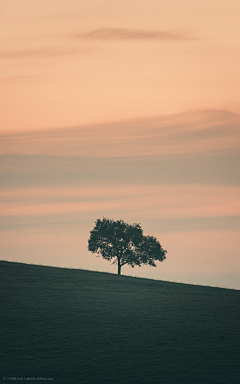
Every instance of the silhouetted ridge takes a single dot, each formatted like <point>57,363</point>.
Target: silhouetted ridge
<point>78,326</point>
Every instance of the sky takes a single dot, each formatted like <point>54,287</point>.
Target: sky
<point>126,110</point>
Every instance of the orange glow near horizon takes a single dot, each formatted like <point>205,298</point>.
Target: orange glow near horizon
<point>151,201</point>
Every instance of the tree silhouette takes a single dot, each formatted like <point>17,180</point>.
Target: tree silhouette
<point>124,244</point>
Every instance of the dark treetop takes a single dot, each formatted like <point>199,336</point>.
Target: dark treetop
<point>124,244</point>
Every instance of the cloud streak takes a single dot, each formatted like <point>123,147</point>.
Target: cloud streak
<point>144,201</point>
<point>134,34</point>
<point>39,53</point>
<point>185,133</point>
<point>28,171</point>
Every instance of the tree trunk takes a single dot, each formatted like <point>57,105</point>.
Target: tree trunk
<point>119,267</point>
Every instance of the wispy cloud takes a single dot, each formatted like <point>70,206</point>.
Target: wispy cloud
<point>37,171</point>
<point>185,133</point>
<point>143,201</point>
<point>134,34</point>
<point>39,53</point>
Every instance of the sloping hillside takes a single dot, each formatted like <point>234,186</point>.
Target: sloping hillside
<point>76,326</point>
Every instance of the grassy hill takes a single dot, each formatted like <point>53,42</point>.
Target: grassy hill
<point>76,326</point>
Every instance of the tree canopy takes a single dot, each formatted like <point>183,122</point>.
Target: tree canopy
<point>123,243</point>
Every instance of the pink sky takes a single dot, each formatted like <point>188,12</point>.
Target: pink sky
<point>166,201</point>
<point>128,110</point>
<point>66,63</point>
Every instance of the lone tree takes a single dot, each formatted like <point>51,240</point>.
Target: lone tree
<point>124,244</point>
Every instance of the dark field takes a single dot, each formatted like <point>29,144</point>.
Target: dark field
<point>78,326</point>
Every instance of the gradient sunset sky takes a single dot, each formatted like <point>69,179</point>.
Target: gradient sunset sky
<point>124,109</point>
